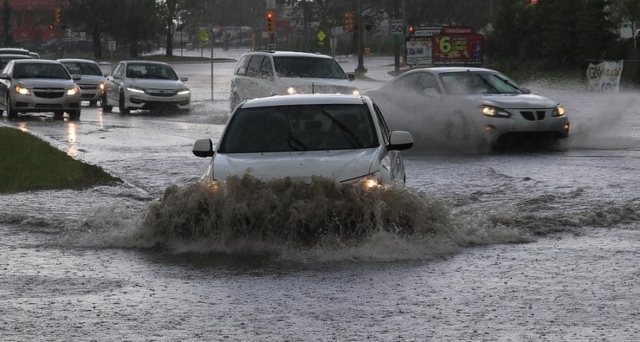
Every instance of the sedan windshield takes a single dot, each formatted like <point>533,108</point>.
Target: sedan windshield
<point>308,67</point>
<point>299,128</point>
<point>40,70</point>
<point>83,68</point>
<point>472,83</point>
<point>151,71</point>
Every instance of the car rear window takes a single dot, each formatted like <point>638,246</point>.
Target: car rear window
<point>300,128</point>
<point>308,67</point>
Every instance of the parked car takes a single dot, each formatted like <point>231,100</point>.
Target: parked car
<point>6,58</point>
<point>15,51</point>
<point>268,73</point>
<point>134,85</point>
<point>38,85</point>
<point>343,137</point>
<point>92,82</point>
<point>467,102</point>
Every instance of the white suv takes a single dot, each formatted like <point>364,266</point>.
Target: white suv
<point>267,73</point>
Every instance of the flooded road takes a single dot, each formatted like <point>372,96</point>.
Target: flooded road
<point>521,246</point>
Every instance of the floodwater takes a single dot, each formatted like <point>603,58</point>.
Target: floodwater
<point>516,246</point>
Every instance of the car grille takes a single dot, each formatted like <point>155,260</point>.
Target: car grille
<point>161,92</point>
<point>533,115</point>
<point>88,86</point>
<point>48,93</point>
<point>47,106</point>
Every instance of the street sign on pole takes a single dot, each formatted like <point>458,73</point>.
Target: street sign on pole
<point>397,27</point>
<point>271,4</point>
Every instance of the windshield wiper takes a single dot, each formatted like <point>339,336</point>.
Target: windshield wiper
<point>352,137</point>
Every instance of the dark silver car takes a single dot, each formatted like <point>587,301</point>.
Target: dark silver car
<point>38,85</point>
<point>92,82</point>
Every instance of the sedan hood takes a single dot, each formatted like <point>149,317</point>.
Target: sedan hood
<point>157,84</point>
<point>318,85</point>
<point>515,101</point>
<point>45,83</point>
<point>339,165</point>
<point>91,79</point>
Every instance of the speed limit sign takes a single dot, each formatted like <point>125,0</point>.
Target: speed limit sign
<point>397,27</point>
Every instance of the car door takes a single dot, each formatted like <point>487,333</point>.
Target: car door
<point>5,84</point>
<point>113,83</point>
<point>395,159</point>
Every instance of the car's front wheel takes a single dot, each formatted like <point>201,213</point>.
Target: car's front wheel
<point>11,113</point>
<point>74,115</point>
<point>121,106</point>
<point>105,107</point>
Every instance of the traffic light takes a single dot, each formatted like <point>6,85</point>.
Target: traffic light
<point>57,15</point>
<point>270,18</point>
<point>349,21</point>
<point>51,27</point>
<point>411,30</point>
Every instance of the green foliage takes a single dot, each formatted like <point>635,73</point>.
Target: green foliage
<point>554,32</point>
<point>30,164</point>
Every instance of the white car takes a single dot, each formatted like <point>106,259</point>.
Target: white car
<point>38,85</point>
<point>268,73</point>
<point>92,82</point>
<point>343,137</point>
<point>134,85</point>
<point>465,103</point>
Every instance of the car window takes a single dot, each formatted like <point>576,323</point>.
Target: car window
<point>383,124</point>
<point>41,70</point>
<point>119,70</point>
<point>241,68</point>
<point>299,128</point>
<point>308,67</point>
<point>253,69</point>
<point>266,69</point>
<point>83,68</point>
<point>417,82</point>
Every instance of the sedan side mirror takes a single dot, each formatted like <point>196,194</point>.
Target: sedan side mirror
<point>76,77</point>
<point>184,78</point>
<point>4,76</point>
<point>203,148</point>
<point>400,140</point>
<point>351,77</point>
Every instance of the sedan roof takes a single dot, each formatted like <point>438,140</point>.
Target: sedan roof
<point>304,99</point>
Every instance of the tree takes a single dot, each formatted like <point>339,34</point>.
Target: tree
<point>137,21</point>
<point>91,16</point>
<point>7,37</point>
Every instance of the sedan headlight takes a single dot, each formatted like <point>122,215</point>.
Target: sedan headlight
<point>369,181</point>
<point>558,111</point>
<point>135,89</point>
<point>355,92</point>
<point>73,91</point>
<point>494,111</point>
<point>22,90</point>
<point>101,86</point>
<point>183,92</point>
<point>292,90</point>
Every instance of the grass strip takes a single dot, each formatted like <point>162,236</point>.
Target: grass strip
<point>28,163</point>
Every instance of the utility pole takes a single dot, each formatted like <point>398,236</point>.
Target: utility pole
<point>360,69</point>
